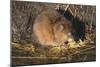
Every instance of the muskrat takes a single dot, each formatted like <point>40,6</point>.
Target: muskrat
<point>52,29</point>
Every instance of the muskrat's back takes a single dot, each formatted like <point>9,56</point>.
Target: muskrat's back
<point>52,29</point>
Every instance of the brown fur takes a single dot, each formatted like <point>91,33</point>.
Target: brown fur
<point>52,29</point>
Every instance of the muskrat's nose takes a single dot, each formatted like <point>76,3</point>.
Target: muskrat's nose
<point>66,42</point>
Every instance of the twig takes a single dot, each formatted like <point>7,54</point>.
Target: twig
<point>82,50</point>
<point>35,57</point>
<point>57,6</point>
<point>71,11</point>
<point>66,9</point>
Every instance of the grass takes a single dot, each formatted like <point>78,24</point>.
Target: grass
<point>75,53</point>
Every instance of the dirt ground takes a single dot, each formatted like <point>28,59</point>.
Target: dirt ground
<point>23,51</point>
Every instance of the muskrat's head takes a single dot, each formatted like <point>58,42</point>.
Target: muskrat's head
<point>63,31</point>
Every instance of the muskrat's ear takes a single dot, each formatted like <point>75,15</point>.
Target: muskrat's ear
<point>59,27</point>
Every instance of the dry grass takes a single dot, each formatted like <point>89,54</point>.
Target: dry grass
<point>28,53</point>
